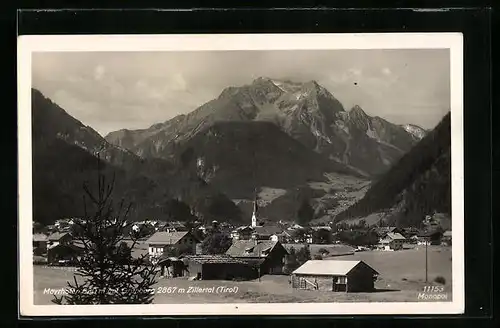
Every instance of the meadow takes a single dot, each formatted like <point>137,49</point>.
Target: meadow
<point>401,279</point>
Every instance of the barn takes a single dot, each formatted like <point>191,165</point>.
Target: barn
<point>335,275</point>
<point>218,267</point>
<point>267,256</point>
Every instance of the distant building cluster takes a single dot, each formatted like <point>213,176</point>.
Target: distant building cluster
<point>254,250</point>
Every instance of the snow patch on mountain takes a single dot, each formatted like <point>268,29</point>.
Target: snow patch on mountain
<point>318,134</point>
<point>372,133</point>
<point>279,84</point>
<point>416,131</point>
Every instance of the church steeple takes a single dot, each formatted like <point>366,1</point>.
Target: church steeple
<point>254,213</point>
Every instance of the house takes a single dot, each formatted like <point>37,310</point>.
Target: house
<point>438,220</point>
<point>63,254</point>
<point>283,237</point>
<point>392,241</point>
<point>335,275</point>
<point>40,242</point>
<point>56,238</point>
<point>383,231</point>
<point>270,232</point>
<point>430,237</point>
<point>160,240</point>
<point>139,249</point>
<point>218,267</point>
<point>446,239</point>
<point>242,233</point>
<point>174,226</point>
<point>266,255</point>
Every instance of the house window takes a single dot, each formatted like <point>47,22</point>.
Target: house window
<point>340,280</point>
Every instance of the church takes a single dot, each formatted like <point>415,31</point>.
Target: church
<point>256,230</point>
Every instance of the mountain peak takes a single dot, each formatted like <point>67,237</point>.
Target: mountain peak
<point>358,111</point>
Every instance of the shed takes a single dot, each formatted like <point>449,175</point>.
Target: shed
<point>171,266</point>
<point>335,275</point>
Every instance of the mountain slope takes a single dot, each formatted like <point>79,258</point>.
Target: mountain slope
<point>305,111</point>
<point>64,153</point>
<point>419,184</point>
<point>237,157</point>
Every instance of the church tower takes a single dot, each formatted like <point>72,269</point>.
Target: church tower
<point>254,213</point>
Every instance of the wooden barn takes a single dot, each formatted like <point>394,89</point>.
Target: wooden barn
<point>267,256</point>
<point>218,267</point>
<point>335,275</point>
<point>62,254</point>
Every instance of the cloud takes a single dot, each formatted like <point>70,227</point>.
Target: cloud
<point>178,83</point>
<point>386,71</point>
<point>138,89</point>
<point>99,72</point>
<point>355,71</point>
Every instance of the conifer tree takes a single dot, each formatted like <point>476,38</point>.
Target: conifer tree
<point>106,271</point>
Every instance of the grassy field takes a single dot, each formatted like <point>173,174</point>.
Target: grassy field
<point>402,278</point>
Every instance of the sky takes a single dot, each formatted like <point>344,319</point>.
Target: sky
<point>134,90</point>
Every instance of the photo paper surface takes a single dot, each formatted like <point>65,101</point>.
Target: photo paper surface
<point>251,174</point>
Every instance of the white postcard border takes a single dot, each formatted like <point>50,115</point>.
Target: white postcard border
<point>78,43</point>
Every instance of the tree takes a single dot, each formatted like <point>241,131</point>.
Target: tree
<point>323,236</point>
<point>177,251</point>
<point>177,210</point>
<point>303,255</point>
<point>106,272</point>
<point>291,261</point>
<point>305,213</point>
<point>216,243</point>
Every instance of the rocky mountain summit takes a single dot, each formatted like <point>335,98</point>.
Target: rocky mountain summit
<point>307,112</point>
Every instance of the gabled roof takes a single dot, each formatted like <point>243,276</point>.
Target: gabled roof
<point>175,224</point>
<point>166,238</point>
<point>316,228</point>
<point>384,230</point>
<point>40,237</point>
<point>214,259</point>
<point>249,248</point>
<point>56,236</point>
<point>241,228</point>
<point>268,230</point>
<point>395,236</point>
<point>330,267</point>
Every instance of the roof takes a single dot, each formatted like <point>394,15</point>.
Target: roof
<point>395,236</point>
<point>175,224</point>
<point>249,248</point>
<point>447,233</point>
<point>214,259</point>
<point>40,237</point>
<point>316,228</point>
<point>242,228</point>
<point>167,238</point>
<point>329,267</point>
<point>384,230</point>
<point>56,236</point>
<point>267,230</point>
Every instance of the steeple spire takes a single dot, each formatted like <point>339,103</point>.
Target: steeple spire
<point>255,209</point>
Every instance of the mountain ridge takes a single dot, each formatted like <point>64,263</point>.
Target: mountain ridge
<point>306,111</point>
<point>418,185</point>
<point>146,182</point>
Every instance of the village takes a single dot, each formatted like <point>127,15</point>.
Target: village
<point>282,256</point>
